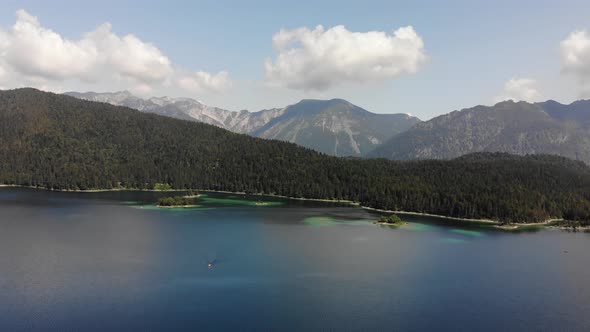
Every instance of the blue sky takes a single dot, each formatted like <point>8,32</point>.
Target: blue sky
<point>473,48</point>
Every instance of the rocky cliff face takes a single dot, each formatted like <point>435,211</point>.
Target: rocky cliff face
<point>186,109</point>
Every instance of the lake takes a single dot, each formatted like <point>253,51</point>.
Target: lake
<point>113,261</point>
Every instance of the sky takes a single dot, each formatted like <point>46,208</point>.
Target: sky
<point>425,58</point>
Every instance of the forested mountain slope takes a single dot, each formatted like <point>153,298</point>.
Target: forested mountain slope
<point>60,142</point>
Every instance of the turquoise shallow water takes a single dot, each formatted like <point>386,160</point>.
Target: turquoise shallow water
<point>113,261</point>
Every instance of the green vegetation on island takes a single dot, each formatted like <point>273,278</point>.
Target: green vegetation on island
<point>59,142</point>
<point>177,201</point>
<point>391,220</point>
<point>192,194</point>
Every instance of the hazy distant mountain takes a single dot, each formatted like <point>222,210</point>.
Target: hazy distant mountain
<point>518,128</point>
<point>335,127</point>
<point>186,109</point>
<point>577,112</point>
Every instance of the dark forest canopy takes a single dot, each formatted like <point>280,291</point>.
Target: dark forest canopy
<point>60,142</point>
<point>176,201</point>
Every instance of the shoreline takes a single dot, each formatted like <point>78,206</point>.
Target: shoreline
<point>192,196</point>
<point>494,223</point>
<point>569,228</point>
<point>423,214</point>
<point>88,190</point>
<point>489,222</point>
<point>177,206</point>
<point>327,200</point>
<point>343,201</point>
<point>400,224</point>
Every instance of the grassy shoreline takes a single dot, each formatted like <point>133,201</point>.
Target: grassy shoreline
<point>422,214</point>
<point>400,224</point>
<point>177,206</point>
<point>343,201</point>
<point>489,222</point>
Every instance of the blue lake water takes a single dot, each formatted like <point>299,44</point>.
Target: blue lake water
<point>111,261</point>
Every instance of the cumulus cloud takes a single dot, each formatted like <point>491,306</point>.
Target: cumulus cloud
<point>518,89</point>
<point>34,55</point>
<point>203,81</point>
<point>575,58</point>
<point>3,74</point>
<point>319,59</point>
<point>129,56</point>
<point>33,50</point>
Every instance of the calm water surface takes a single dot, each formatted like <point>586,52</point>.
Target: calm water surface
<point>111,261</point>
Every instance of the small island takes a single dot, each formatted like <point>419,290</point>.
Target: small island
<point>391,220</point>
<point>192,194</point>
<point>176,202</point>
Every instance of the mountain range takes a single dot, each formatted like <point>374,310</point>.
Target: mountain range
<point>334,127</point>
<point>339,128</point>
<point>514,127</point>
<point>186,109</point>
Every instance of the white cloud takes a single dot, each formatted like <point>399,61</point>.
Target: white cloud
<point>575,58</point>
<point>320,59</point>
<point>33,55</point>
<point>142,89</point>
<point>200,81</point>
<point>128,56</point>
<point>33,50</point>
<point>3,74</point>
<point>518,89</point>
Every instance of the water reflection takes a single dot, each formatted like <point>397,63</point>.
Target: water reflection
<point>96,262</point>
